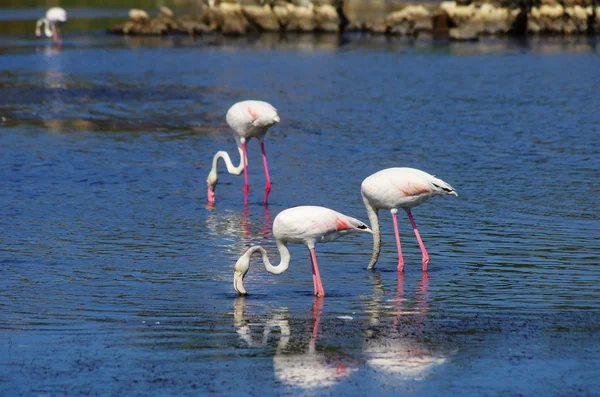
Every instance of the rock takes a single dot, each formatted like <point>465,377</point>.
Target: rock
<point>353,27</point>
<point>477,20</point>
<point>188,25</point>
<point>494,20</point>
<point>301,19</point>
<point>135,14</point>
<point>230,19</point>
<point>376,26</point>
<point>458,14</point>
<point>578,19</point>
<point>282,13</point>
<point>326,18</point>
<point>594,24</point>
<point>262,17</point>
<point>166,11</point>
<point>546,19</point>
<point>409,21</point>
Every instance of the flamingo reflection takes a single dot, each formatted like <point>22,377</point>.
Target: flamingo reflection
<point>305,369</point>
<point>237,224</point>
<point>393,351</point>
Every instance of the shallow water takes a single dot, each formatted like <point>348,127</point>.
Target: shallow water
<point>117,278</point>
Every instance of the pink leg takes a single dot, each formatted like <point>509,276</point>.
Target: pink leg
<point>400,258</point>
<point>55,37</point>
<point>317,309</point>
<point>246,187</point>
<point>423,250</point>
<point>264,156</point>
<point>319,291</point>
<point>423,284</point>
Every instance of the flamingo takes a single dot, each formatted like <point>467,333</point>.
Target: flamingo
<point>306,225</point>
<point>247,119</point>
<point>395,188</point>
<point>55,16</point>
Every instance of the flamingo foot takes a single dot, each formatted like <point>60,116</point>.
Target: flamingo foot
<point>401,266</point>
<point>425,262</point>
<point>246,191</point>
<point>267,191</point>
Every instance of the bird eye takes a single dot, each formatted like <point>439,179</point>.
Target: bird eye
<point>362,227</point>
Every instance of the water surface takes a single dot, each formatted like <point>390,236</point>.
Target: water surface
<point>118,280</point>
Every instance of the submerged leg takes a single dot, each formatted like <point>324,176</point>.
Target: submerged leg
<point>268,180</point>
<point>245,160</point>
<point>319,291</point>
<point>397,232</point>
<point>55,36</point>
<point>421,245</point>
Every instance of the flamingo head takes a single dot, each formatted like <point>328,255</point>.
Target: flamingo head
<point>240,270</point>
<point>212,179</point>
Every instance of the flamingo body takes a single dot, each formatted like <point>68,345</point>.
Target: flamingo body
<point>306,225</point>
<point>251,119</point>
<point>56,14</point>
<point>247,119</point>
<point>395,188</point>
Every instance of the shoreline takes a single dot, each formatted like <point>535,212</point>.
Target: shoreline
<point>446,20</point>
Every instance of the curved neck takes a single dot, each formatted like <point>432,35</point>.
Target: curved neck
<point>374,219</point>
<point>46,23</point>
<point>232,169</point>
<point>284,254</point>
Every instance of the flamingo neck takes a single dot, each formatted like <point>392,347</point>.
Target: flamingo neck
<point>284,254</point>
<point>47,28</point>
<point>374,219</point>
<point>212,177</point>
<point>232,169</point>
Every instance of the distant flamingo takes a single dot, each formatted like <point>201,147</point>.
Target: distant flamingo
<point>306,225</point>
<point>55,16</point>
<point>247,119</point>
<point>395,188</point>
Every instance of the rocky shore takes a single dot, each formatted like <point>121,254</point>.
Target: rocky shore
<point>456,20</point>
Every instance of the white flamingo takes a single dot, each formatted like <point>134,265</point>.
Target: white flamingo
<point>395,188</point>
<point>306,225</point>
<point>247,119</point>
<point>55,16</point>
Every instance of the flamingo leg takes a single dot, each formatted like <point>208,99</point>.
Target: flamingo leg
<point>55,37</point>
<point>246,187</point>
<point>397,232</point>
<point>319,291</point>
<point>421,245</point>
<point>317,309</point>
<point>268,179</point>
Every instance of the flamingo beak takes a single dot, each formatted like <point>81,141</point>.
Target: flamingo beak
<point>238,283</point>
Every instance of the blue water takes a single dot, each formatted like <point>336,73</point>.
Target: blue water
<point>117,280</point>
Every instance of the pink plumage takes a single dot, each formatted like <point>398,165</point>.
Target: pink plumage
<point>395,188</point>
<point>306,225</point>
<point>247,119</point>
